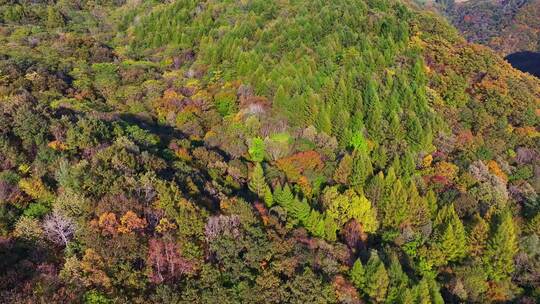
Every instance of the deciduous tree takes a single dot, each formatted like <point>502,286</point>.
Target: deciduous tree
<point>58,228</point>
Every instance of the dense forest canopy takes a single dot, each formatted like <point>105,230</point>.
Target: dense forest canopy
<point>258,151</point>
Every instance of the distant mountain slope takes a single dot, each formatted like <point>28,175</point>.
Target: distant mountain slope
<point>506,26</point>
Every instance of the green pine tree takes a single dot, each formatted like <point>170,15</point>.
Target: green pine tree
<point>268,197</point>
<point>431,198</point>
<point>315,224</point>
<point>284,197</point>
<point>344,169</point>
<point>393,208</point>
<point>395,127</point>
<point>478,236</point>
<point>358,275</point>
<point>415,132</point>
<point>361,169</point>
<point>283,101</point>
<point>301,210</point>
<point>377,278</point>
<point>451,240</point>
<point>427,291</point>
<point>501,248</point>
<point>422,292</point>
<point>257,183</point>
<point>419,214</point>
<point>323,122</point>
<point>375,122</point>
<point>374,109</point>
<point>319,230</point>
<point>399,281</point>
<point>379,157</point>
<point>257,150</point>
<point>330,228</point>
<point>435,291</point>
<point>358,142</point>
<point>54,17</point>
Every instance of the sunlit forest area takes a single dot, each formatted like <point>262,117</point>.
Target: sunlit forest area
<point>262,151</point>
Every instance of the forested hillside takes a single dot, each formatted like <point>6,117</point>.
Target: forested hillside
<point>262,151</point>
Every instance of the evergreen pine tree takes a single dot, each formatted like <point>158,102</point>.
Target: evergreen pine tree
<point>501,248</point>
<point>268,197</point>
<point>323,122</point>
<point>315,223</point>
<point>427,138</point>
<point>375,190</point>
<point>379,157</point>
<point>340,117</point>
<point>358,142</point>
<point>301,210</point>
<point>395,127</point>
<point>407,164</point>
<point>284,197</point>
<point>418,72</point>
<point>373,107</point>
<point>54,17</point>
<point>419,214</point>
<point>407,297</point>
<point>394,209</point>
<point>312,221</point>
<point>435,292</point>
<point>361,169</point>
<point>312,107</point>
<point>357,118</point>
<point>375,123</point>
<point>431,198</point>
<point>377,278</point>
<point>451,240</point>
<point>358,275</point>
<point>478,236</point>
<point>422,292</point>
<point>428,292</point>
<point>414,131</point>
<point>399,281</point>
<point>330,228</point>
<point>281,99</point>
<point>257,150</point>
<point>257,183</point>
<point>344,169</point>
<point>371,96</point>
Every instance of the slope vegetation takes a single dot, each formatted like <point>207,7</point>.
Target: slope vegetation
<point>261,151</point>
